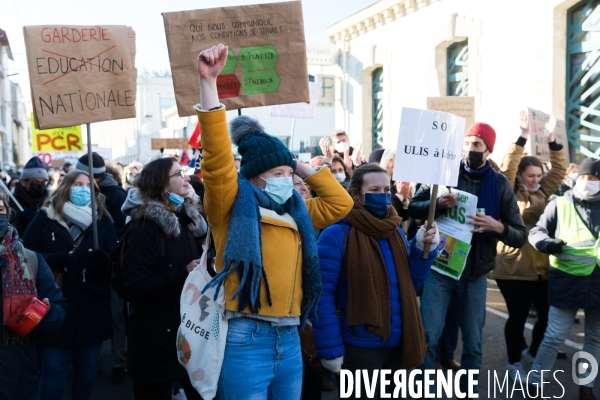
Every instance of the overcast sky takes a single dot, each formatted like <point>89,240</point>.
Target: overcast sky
<point>145,18</point>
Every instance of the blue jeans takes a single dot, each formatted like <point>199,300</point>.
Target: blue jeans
<point>449,340</point>
<point>56,363</point>
<point>261,362</point>
<point>560,322</point>
<point>469,296</point>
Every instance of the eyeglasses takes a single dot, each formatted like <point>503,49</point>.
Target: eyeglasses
<point>180,173</point>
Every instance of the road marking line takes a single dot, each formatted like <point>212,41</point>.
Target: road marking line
<point>570,343</point>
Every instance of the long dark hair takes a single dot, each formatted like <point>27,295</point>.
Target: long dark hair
<point>528,161</point>
<point>62,194</point>
<point>339,159</point>
<point>152,182</point>
<point>358,177</point>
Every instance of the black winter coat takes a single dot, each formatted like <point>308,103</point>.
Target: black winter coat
<point>115,197</point>
<point>86,288</point>
<point>482,257</point>
<point>19,369</point>
<point>156,252</point>
<point>566,290</point>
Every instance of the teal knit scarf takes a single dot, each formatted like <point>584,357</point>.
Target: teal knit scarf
<point>243,250</point>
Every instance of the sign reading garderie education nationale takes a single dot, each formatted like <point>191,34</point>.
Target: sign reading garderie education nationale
<point>455,234</point>
<point>80,74</point>
<point>266,61</point>
<point>429,147</point>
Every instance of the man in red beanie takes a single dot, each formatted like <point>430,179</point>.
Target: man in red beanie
<point>499,220</point>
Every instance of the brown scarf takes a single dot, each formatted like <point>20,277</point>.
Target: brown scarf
<point>368,279</point>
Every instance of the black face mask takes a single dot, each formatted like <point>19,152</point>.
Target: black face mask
<point>3,224</point>
<point>37,189</point>
<point>474,159</point>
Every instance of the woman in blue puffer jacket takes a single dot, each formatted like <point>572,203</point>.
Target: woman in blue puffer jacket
<point>371,275</point>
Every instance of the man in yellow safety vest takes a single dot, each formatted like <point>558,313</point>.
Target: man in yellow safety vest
<point>568,231</point>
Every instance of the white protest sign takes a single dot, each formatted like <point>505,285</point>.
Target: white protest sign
<point>300,110</point>
<point>538,144</point>
<point>104,152</point>
<point>47,158</point>
<point>429,147</point>
<point>455,235</point>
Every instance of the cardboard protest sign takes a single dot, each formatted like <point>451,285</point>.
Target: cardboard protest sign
<point>267,54</point>
<point>455,235</point>
<point>537,143</point>
<point>176,143</point>
<point>429,147</point>
<point>80,74</point>
<point>59,139</point>
<point>457,105</point>
<point>300,110</point>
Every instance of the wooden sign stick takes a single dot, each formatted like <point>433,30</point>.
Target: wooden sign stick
<point>431,217</point>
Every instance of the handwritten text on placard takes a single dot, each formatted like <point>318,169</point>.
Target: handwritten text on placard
<point>81,74</point>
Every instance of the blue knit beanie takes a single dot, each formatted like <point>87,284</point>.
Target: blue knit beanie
<point>34,168</point>
<point>260,151</point>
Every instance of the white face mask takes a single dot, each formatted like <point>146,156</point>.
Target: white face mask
<point>588,188</point>
<point>573,175</point>
<point>536,188</point>
<point>341,177</point>
<point>342,146</point>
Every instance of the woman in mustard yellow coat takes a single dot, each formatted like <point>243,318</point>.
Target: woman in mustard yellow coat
<point>264,236</point>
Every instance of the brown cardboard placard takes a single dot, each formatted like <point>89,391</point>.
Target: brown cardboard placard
<point>537,145</point>
<point>267,54</point>
<point>457,105</point>
<point>173,143</point>
<point>81,74</point>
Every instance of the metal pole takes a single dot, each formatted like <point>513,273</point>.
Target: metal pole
<point>292,135</point>
<point>92,188</point>
<point>11,195</point>
<point>239,112</point>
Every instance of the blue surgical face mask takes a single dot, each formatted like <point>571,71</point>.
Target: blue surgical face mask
<point>80,195</point>
<point>377,203</point>
<point>279,189</point>
<point>176,199</point>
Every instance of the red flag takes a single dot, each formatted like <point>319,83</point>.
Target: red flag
<point>195,142</point>
<point>184,159</point>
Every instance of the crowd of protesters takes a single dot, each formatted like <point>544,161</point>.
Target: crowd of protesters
<point>334,244</point>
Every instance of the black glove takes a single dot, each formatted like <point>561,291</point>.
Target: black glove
<point>555,246</point>
<point>58,262</point>
<point>99,258</point>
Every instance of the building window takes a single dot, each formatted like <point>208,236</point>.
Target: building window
<point>457,71</point>
<point>583,80</point>
<point>377,117</point>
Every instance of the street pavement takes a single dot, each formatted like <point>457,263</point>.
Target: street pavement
<point>494,359</point>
